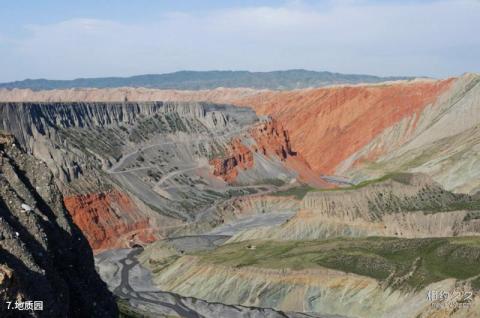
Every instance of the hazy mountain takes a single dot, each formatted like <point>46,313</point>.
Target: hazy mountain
<point>193,80</point>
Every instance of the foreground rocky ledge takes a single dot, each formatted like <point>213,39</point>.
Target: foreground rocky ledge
<point>43,255</point>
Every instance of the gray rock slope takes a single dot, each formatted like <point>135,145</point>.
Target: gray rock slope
<point>43,255</point>
<point>156,152</point>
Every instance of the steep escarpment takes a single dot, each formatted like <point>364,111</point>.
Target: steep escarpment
<point>354,131</point>
<point>39,125</point>
<point>239,157</point>
<point>121,94</point>
<point>266,145</point>
<point>80,141</point>
<point>110,219</point>
<point>162,154</point>
<point>441,141</point>
<point>272,138</point>
<point>43,255</point>
<point>328,125</point>
<point>132,172</point>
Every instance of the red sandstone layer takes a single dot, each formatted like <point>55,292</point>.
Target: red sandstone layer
<point>271,140</point>
<point>327,125</point>
<point>239,157</point>
<point>109,220</point>
<point>324,125</point>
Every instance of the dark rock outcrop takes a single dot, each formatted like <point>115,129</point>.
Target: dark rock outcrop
<point>43,255</point>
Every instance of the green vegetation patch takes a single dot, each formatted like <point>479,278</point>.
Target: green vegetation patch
<point>476,284</point>
<point>400,263</point>
<point>275,182</point>
<point>125,310</point>
<point>429,198</point>
<point>159,265</point>
<point>396,176</point>
<point>298,192</point>
<point>101,141</point>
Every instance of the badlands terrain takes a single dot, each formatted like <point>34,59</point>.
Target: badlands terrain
<point>349,200</point>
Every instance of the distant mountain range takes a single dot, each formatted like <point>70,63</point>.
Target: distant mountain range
<point>195,80</point>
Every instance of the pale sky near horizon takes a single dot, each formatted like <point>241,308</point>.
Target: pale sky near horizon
<point>70,39</point>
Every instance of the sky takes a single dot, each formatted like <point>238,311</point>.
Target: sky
<point>57,39</point>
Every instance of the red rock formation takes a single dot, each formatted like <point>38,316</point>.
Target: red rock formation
<point>327,125</point>
<point>272,139</point>
<point>109,219</point>
<point>240,157</point>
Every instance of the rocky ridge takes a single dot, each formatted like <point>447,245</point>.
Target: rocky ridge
<point>287,79</point>
<point>44,257</point>
<point>400,205</point>
<point>441,141</point>
<point>349,116</point>
<point>112,218</point>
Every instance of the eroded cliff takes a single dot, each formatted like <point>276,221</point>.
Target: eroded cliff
<point>110,220</point>
<point>360,131</point>
<point>133,172</point>
<point>400,205</point>
<point>43,255</point>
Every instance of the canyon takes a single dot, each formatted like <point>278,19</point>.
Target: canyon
<point>271,203</point>
<point>123,187</point>
<point>383,127</point>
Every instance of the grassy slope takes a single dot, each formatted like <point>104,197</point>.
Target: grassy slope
<point>430,260</point>
<point>462,202</point>
<point>300,191</point>
<point>446,153</point>
<point>127,311</point>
